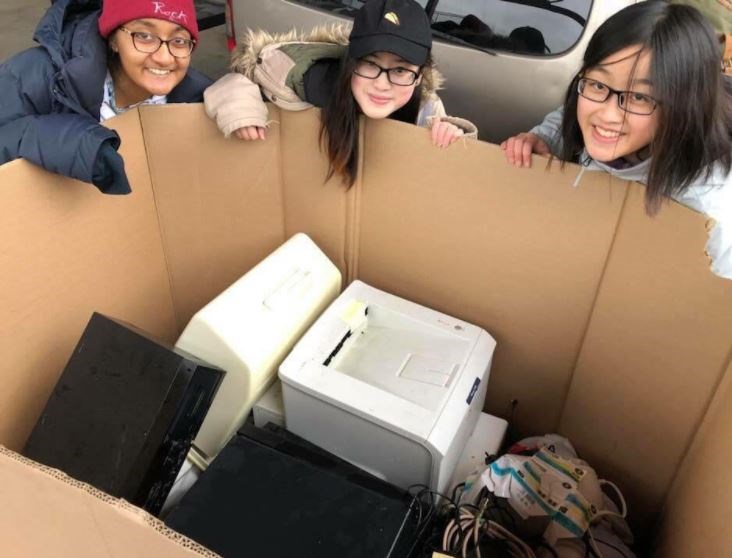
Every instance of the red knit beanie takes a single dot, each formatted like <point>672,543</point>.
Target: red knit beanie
<point>118,12</point>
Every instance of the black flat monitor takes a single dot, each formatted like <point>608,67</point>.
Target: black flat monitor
<point>270,493</point>
<point>124,413</point>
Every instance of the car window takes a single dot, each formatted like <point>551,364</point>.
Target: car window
<point>340,7</point>
<point>535,27</point>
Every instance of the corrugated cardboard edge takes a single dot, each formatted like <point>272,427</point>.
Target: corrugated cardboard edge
<point>161,228</point>
<point>276,119</point>
<point>144,517</point>
<point>591,315</point>
<point>353,211</point>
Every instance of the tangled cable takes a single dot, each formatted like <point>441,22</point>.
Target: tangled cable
<point>441,522</point>
<point>470,524</point>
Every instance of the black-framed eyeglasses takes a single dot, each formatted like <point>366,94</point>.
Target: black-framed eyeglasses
<point>396,76</point>
<point>629,101</point>
<point>149,43</point>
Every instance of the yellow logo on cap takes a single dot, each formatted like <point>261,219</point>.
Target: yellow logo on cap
<point>391,16</point>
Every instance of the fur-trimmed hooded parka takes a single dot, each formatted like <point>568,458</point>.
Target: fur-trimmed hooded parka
<point>295,72</point>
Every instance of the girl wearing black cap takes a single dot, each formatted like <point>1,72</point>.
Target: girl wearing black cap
<point>382,70</point>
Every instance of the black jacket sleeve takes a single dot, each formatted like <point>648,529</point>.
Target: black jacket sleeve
<point>69,144</point>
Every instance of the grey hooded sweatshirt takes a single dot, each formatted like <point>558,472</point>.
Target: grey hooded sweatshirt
<point>711,196</point>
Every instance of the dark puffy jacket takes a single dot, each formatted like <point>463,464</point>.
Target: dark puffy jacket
<point>50,98</point>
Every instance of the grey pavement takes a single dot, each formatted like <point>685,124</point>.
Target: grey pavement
<point>18,19</point>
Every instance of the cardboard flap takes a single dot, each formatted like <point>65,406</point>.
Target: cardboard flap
<point>45,514</point>
<point>220,201</point>
<point>658,342</point>
<point>696,521</point>
<point>67,250</point>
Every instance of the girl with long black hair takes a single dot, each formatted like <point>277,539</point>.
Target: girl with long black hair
<point>650,104</point>
<point>383,69</point>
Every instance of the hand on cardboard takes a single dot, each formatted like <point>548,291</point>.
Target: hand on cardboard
<point>444,133</point>
<point>520,147</point>
<point>250,133</point>
<point>109,171</point>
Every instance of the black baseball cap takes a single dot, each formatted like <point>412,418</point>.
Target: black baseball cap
<point>397,26</point>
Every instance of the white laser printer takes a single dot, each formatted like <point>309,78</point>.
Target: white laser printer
<point>389,385</point>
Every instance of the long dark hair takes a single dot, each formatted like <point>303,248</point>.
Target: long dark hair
<point>339,121</point>
<point>114,64</point>
<point>695,126</point>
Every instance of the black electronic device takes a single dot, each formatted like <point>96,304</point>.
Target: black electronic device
<point>124,413</point>
<point>270,493</point>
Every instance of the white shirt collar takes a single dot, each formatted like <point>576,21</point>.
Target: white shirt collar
<point>109,108</point>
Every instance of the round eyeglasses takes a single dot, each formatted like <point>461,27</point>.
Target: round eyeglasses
<point>149,43</point>
<point>629,101</point>
<point>396,76</point>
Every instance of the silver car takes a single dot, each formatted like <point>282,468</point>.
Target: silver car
<point>507,62</point>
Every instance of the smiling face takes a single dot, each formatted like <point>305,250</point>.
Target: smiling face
<point>609,132</point>
<point>142,75</point>
<point>378,98</point>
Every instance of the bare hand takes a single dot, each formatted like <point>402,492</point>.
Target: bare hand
<point>444,133</point>
<point>250,133</point>
<point>520,147</point>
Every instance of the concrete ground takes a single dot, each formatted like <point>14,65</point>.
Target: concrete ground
<point>18,20</point>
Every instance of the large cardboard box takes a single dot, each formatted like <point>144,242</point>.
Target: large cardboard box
<point>611,329</point>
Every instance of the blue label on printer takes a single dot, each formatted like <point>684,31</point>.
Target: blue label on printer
<point>473,390</point>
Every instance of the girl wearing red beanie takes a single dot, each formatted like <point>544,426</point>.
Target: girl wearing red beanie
<point>91,65</point>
